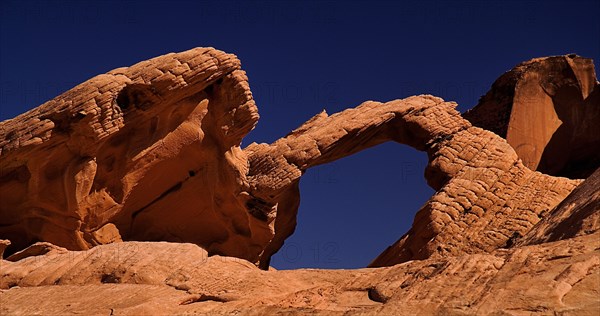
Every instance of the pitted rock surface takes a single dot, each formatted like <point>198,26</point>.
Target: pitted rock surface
<point>130,194</point>
<point>151,152</point>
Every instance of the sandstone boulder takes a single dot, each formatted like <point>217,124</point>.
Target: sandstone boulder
<point>548,109</point>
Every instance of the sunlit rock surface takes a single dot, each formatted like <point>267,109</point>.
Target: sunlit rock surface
<point>132,191</point>
<point>548,109</point>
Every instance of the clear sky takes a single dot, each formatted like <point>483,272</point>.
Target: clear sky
<point>302,57</point>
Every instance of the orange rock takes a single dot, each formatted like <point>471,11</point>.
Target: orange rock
<point>152,153</point>
<point>149,152</point>
<point>577,215</point>
<point>485,195</point>
<point>548,109</point>
<point>136,278</point>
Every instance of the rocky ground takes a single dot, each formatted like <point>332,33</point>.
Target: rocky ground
<point>135,278</point>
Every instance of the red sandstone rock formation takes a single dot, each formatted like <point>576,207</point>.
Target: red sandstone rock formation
<point>548,109</point>
<point>577,215</point>
<point>152,153</point>
<point>149,152</point>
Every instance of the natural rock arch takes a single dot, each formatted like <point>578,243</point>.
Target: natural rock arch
<point>185,178</point>
<point>352,209</point>
<point>467,166</point>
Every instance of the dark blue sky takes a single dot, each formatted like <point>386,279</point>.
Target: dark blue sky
<point>302,57</point>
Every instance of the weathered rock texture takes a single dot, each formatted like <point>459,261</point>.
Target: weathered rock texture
<point>151,152</point>
<point>577,215</point>
<point>137,278</point>
<point>548,109</point>
<point>485,197</point>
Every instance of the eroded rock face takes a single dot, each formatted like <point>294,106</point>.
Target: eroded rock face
<point>485,197</point>
<point>548,109</point>
<point>151,152</point>
<point>135,278</point>
<point>577,215</point>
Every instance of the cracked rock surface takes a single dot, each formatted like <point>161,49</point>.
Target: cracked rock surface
<point>148,152</point>
<point>132,191</point>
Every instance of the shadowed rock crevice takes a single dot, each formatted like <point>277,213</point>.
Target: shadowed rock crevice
<point>578,214</point>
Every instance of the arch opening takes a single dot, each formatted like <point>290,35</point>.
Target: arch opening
<point>352,209</point>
